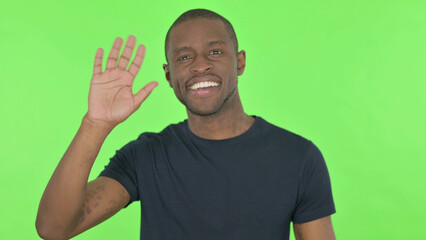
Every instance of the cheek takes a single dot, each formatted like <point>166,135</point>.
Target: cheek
<point>177,79</point>
<point>176,85</point>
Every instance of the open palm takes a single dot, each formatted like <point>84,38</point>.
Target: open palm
<point>111,99</point>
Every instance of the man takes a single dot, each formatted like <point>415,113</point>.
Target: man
<point>220,174</point>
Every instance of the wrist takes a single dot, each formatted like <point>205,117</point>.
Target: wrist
<point>98,125</point>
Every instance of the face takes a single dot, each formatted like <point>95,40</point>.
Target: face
<point>203,66</point>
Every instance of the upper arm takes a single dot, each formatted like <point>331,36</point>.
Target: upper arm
<point>320,229</point>
<point>104,198</point>
<point>314,196</point>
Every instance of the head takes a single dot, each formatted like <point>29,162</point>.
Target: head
<point>203,62</point>
<point>202,13</point>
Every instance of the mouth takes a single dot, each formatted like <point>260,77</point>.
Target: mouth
<point>204,86</point>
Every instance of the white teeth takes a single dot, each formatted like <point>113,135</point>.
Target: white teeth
<point>203,85</point>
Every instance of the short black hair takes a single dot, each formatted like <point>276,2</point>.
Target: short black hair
<point>202,13</point>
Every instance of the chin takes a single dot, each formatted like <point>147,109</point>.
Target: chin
<point>205,109</point>
<point>203,112</point>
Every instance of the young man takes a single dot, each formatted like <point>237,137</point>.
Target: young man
<point>220,174</point>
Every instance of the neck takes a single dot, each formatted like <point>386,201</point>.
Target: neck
<point>230,122</point>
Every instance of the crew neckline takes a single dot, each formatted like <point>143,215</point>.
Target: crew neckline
<point>244,135</point>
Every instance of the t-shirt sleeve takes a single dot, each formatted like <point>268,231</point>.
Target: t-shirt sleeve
<point>122,168</point>
<point>314,197</point>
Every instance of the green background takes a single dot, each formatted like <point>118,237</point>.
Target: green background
<point>348,75</point>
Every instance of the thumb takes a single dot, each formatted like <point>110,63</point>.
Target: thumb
<point>142,94</point>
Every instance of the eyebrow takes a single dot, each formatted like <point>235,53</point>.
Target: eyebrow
<point>218,42</point>
<point>187,48</point>
<point>182,49</point>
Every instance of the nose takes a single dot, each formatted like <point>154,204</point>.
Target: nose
<point>201,65</point>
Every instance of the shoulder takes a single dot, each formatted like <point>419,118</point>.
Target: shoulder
<point>283,138</point>
<point>147,143</point>
<point>169,133</point>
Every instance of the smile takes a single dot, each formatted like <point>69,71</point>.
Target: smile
<point>203,85</point>
<point>203,89</point>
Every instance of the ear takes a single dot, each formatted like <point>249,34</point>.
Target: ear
<point>167,72</point>
<point>241,62</point>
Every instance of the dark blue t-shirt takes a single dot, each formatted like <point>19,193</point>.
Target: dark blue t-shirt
<point>247,187</point>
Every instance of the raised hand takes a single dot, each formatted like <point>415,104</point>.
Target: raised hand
<point>111,100</point>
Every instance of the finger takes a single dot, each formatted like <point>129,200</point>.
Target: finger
<point>127,53</point>
<point>113,55</point>
<point>137,61</point>
<point>98,61</point>
<point>144,93</point>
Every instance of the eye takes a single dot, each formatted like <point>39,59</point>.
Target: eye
<point>216,52</point>
<point>183,58</point>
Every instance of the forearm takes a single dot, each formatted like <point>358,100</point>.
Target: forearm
<point>64,196</point>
